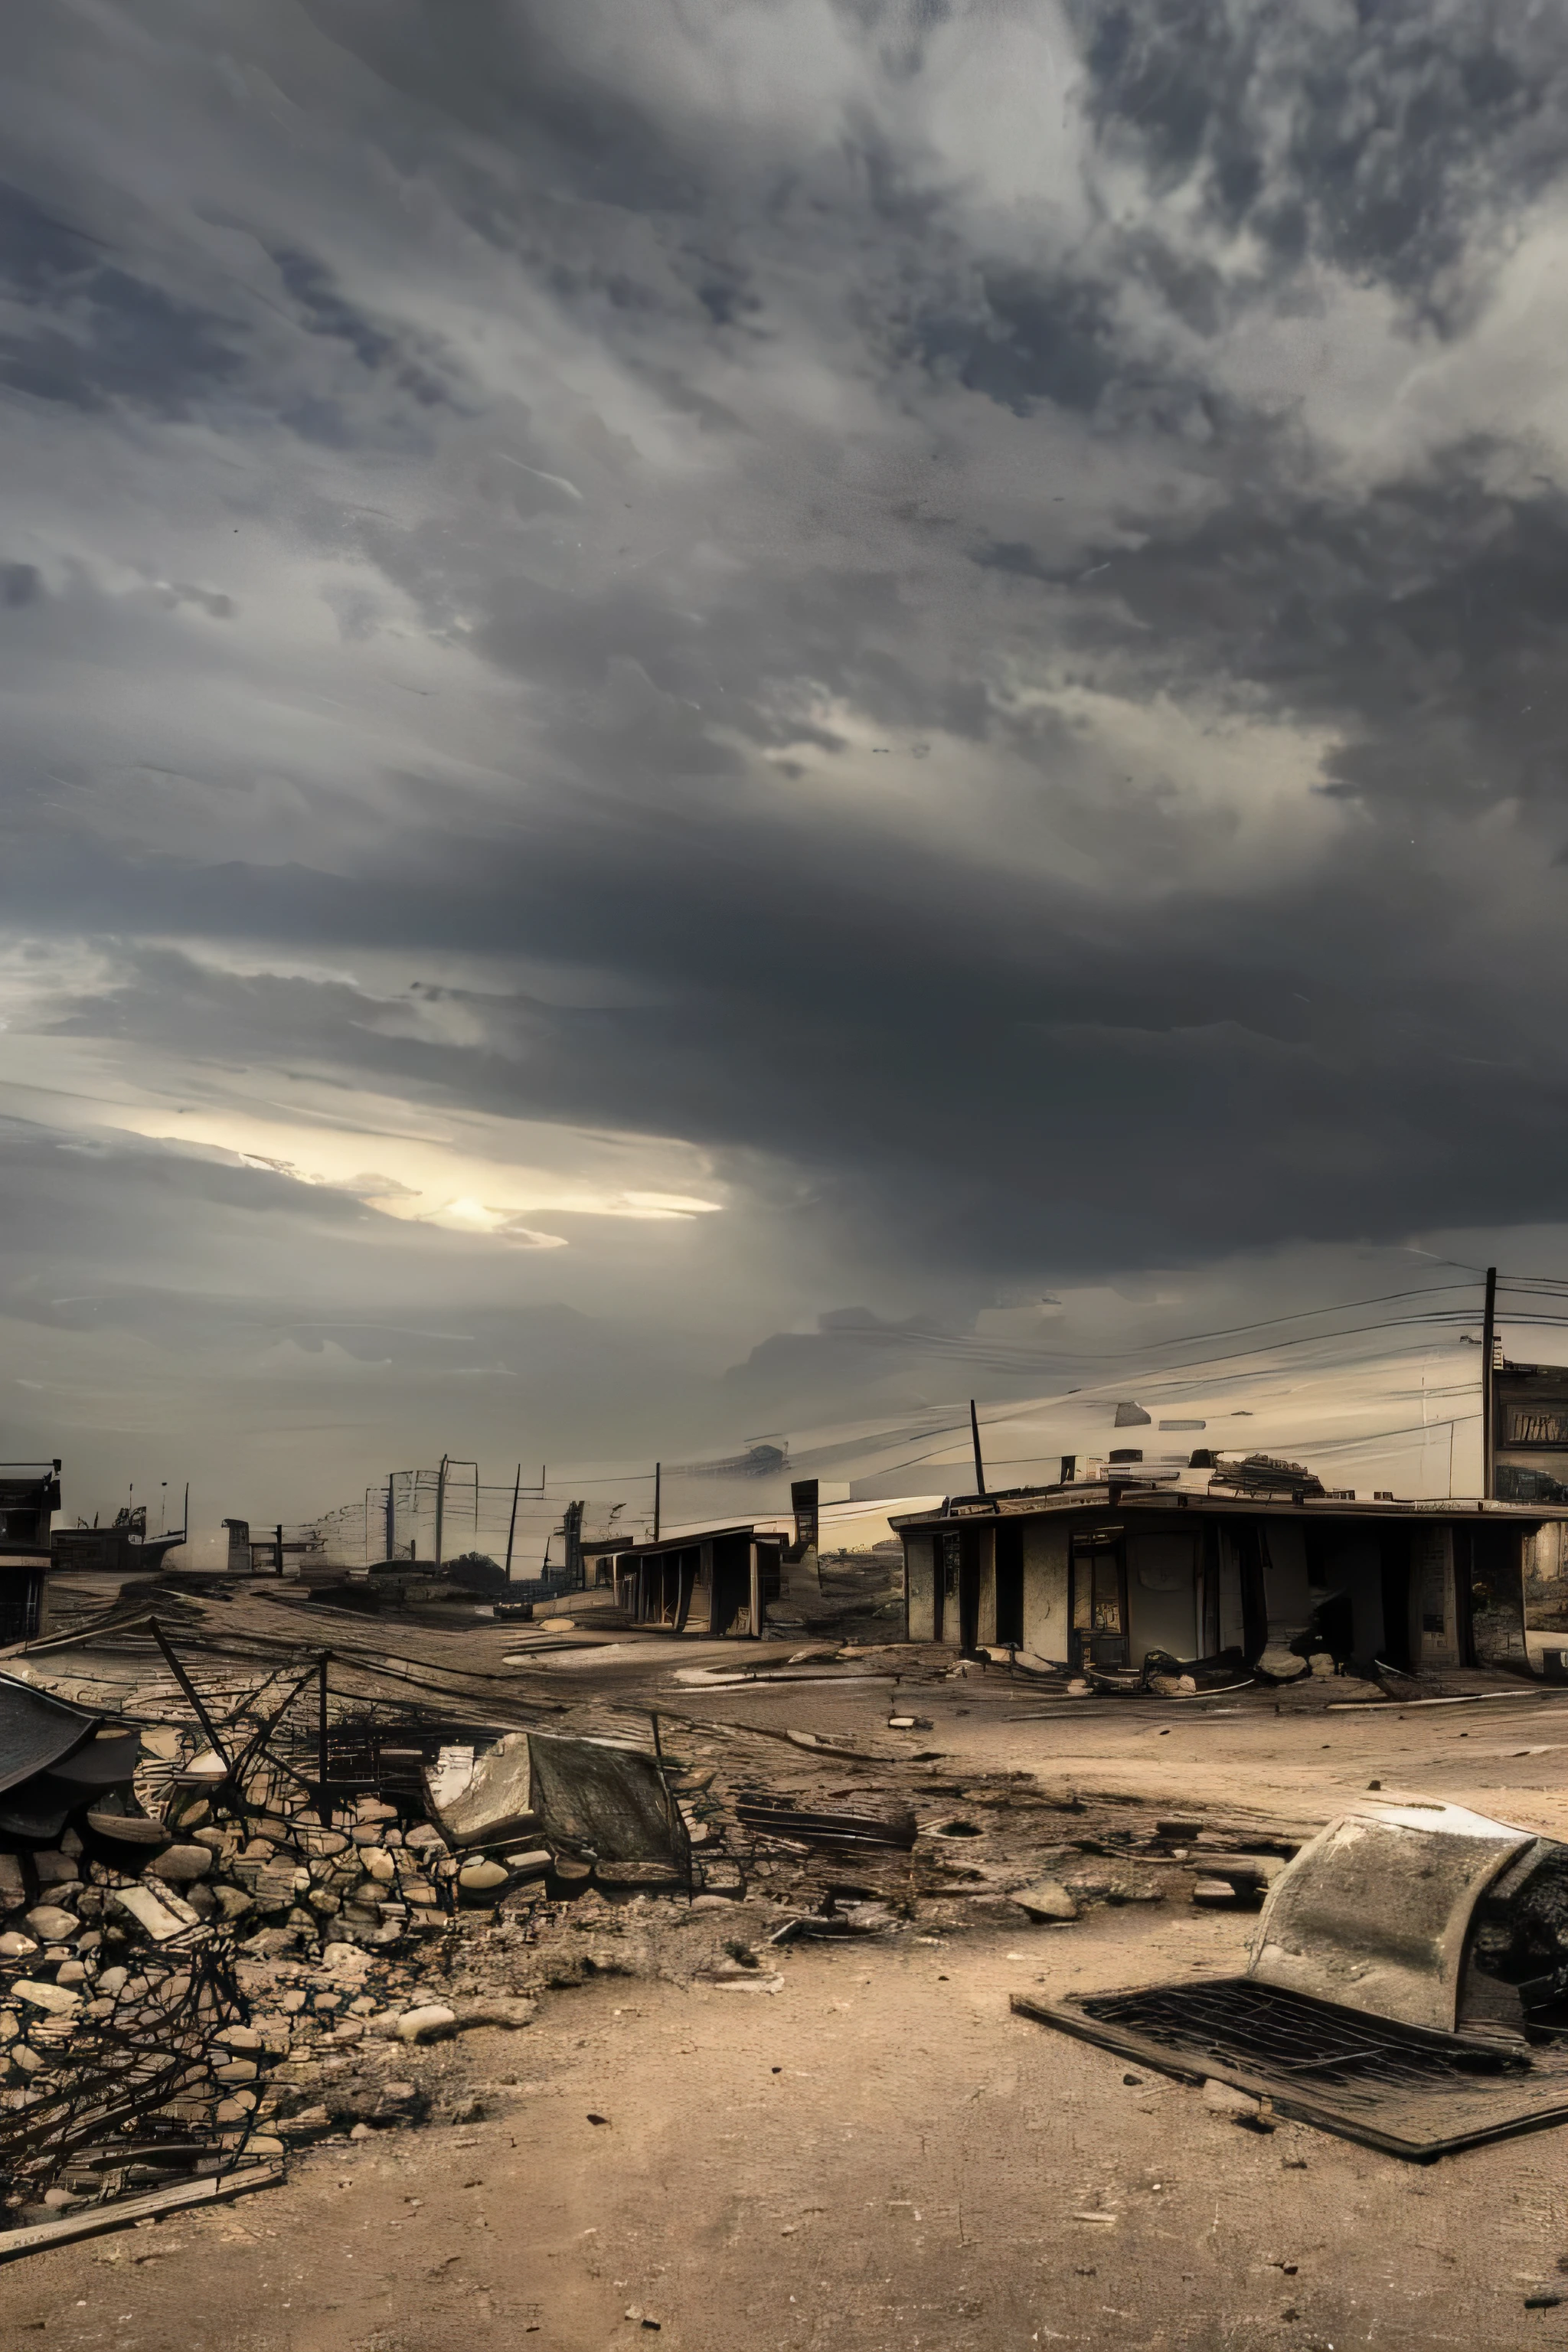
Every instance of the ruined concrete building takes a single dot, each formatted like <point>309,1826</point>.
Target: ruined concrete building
<point>1113,1564</point>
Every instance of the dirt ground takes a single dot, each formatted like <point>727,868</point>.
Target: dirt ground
<point>880,2153</point>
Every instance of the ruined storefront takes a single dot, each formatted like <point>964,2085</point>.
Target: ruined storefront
<point>1101,1572</point>
<point>719,1580</point>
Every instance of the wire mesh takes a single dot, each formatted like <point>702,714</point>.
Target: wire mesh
<point>1262,2030</point>
<point>130,2086</point>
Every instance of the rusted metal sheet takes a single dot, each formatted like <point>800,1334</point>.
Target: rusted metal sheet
<point>1374,1913</point>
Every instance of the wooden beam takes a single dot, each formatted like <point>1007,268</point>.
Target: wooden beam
<point>123,2211</point>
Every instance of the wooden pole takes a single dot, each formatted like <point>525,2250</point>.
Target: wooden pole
<point>1488,1350</point>
<point>658,1484</point>
<point>214,1742</point>
<point>321,1737</point>
<point>517,1489</point>
<point>974,1432</point>
<point>440,1508</point>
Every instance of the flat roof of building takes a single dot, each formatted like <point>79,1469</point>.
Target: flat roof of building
<point>602,1545</point>
<point>1169,1494</point>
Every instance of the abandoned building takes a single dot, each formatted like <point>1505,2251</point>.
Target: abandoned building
<point>29,1497</point>
<point>124,1547</point>
<point>1114,1563</point>
<point>719,1580</point>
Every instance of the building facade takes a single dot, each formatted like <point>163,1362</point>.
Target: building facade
<point>1100,1571</point>
<point>720,1581</point>
<point>29,1497</point>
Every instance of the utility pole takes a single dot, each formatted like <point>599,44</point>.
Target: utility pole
<point>974,1432</point>
<point>511,1531</point>
<point>1488,1350</point>
<point>658,1484</point>
<point>440,1508</point>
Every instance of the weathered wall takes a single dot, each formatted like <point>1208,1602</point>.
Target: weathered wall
<point>919,1585</point>
<point>1045,1622</point>
<point>986,1622</point>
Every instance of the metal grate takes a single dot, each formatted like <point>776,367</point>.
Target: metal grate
<point>1239,2024</point>
<point>1392,2086</point>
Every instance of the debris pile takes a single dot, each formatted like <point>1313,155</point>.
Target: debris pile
<point>1405,1987</point>
<point>221,1953</point>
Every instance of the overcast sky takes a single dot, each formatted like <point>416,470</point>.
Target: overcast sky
<point>672,670</point>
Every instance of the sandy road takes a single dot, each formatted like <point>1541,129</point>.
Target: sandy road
<point>880,2153</point>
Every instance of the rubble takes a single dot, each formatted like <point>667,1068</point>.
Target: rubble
<point>320,1871</point>
<point>1046,1900</point>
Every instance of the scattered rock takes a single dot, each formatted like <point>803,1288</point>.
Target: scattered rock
<point>482,1877</point>
<point>51,1925</point>
<point>1046,1899</point>
<point>1225,2099</point>
<point>57,2000</point>
<point>310,2123</point>
<point>162,1918</point>
<point>432,2022</point>
<point>505,2010</point>
<point>182,1865</point>
<point>348,1961</point>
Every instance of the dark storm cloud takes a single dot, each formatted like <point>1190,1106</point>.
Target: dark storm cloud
<point>789,596</point>
<point>82,328</point>
<point>1428,614</point>
<point>1393,141</point>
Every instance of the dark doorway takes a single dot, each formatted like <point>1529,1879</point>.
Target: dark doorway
<point>1487,1572</point>
<point>969,1540</point>
<point>1395,1549</point>
<point>1208,1593</point>
<point>731,1573</point>
<point>1100,1598</point>
<point>1254,1594</point>
<point>1009,1584</point>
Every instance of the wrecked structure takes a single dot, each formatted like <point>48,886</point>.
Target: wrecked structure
<point>1230,1561</point>
<point>1406,1987</point>
<point>227,1880</point>
<point>721,1580</point>
<point>29,1497</point>
<point>122,1549</point>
